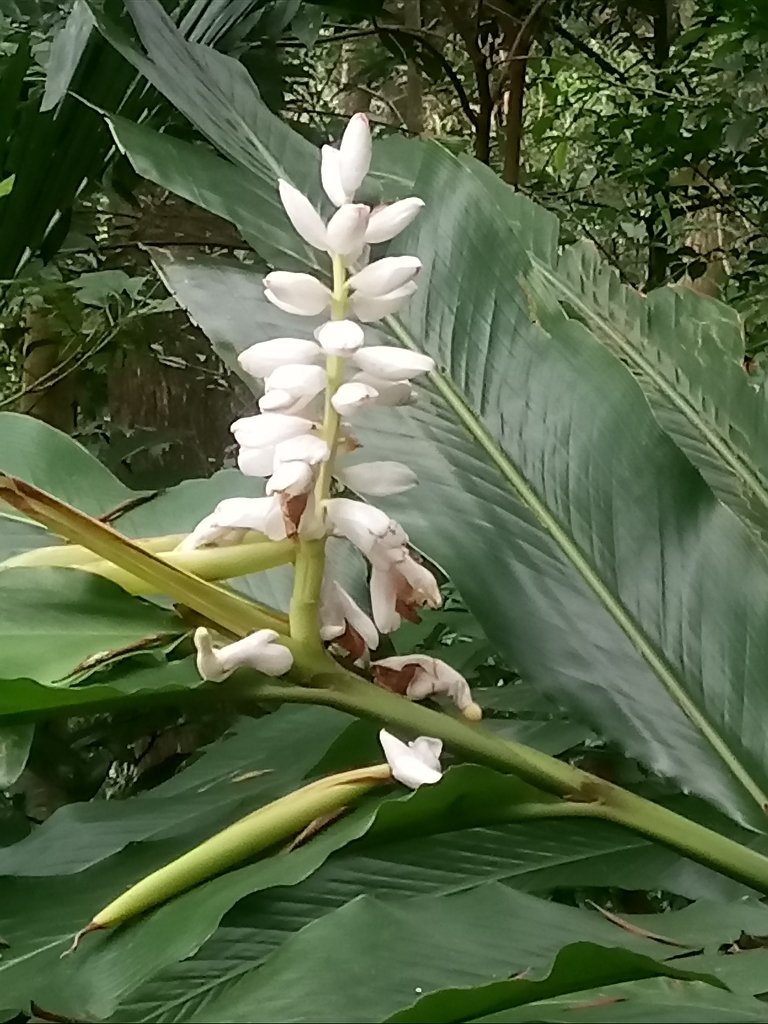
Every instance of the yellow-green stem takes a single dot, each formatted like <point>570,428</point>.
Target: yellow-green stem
<point>310,557</point>
<point>76,556</point>
<point>206,563</point>
<point>246,838</point>
<point>594,797</point>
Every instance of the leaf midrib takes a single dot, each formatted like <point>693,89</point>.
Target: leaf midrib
<point>573,553</point>
<point>733,459</point>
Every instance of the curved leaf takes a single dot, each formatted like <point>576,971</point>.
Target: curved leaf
<point>687,352</point>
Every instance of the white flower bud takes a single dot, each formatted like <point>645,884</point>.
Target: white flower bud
<point>390,392</point>
<point>268,429</point>
<point>346,229</point>
<point>301,294</point>
<point>261,359</point>
<point>434,677</point>
<point>257,650</point>
<point>367,527</point>
<point>412,764</point>
<point>383,591</point>
<point>386,275</point>
<point>368,309</point>
<point>353,396</point>
<point>340,337</point>
<point>392,363</point>
<point>291,478</point>
<point>378,479</point>
<point>237,514</point>
<point>388,221</point>
<point>292,387</point>
<point>307,448</point>
<point>331,177</point>
<point>354,153</point>
<point>302,214</point>
<point>337,609</point>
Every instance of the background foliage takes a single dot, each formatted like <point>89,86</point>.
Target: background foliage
<point>141,173</point>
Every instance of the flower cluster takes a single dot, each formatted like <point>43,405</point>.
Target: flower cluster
<point>302,437</point>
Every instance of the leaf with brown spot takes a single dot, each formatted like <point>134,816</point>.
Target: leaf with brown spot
<point>634,929</point>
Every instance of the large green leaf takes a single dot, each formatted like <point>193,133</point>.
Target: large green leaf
<point>687,351</point>
<point>48,458</point>
<point>421,946</point>
<point>598,560</point>
<point>255,765</point>
<point>655,1001</point>
<point>127,684</point>
<point>577,614</point>
<point>52,620</point>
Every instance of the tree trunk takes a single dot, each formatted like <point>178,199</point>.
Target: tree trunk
<point>518,36</point>
<point>41,356</point>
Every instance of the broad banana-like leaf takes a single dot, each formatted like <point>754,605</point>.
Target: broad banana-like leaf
<point>687,352</point>
<point>587,544</point>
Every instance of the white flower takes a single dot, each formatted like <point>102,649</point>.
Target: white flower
<point>338,611</point>
<point>257,650</point>
<point>399,585</point>
<point>302,214</point>
<point>307,448</point>
<point>258,437</point>
<point>294,462</point>
<point>389,392</point>
<point>261,359</point>
<point>232,518</point>
<point>268,429</point>
<point>340,337</point>
<point>413,764</point>
<point>346,229</point>
<point>386,275</point>
<point>301,294</point>
<point>393,363</point>
<point>350,397</point>
<point>330,176</point>
<point>291,478</point>
<point>429,677</point>
<point>354,153</point>
<point>388,221</point>
<point>367,527</point>
<point>378,478</point>
<point>292,387</point>
<point>368,309</point>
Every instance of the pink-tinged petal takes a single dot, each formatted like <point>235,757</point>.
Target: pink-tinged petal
<point>302,214</point>
<point>388,221</point>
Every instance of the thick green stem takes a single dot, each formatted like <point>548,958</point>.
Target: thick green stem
<point>583,794</point>
<point>310,558</point>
